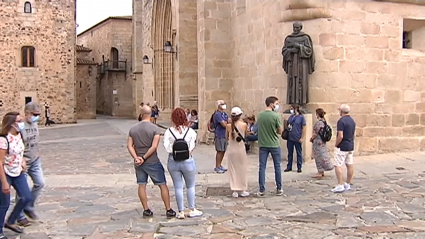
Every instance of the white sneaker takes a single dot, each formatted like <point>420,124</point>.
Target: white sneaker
<point>195,213</point>
<point>338,189</point>
<point>347,186</point>
<point>181,215</point>
<point>235,194</point>
<point>244,194</point>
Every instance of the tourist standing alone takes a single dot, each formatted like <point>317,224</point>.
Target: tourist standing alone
<point>269,129</point>
<point>142,144</point>
<point>296,136</point>
<point>236,154</point>
<point>344,147</point>
<point>47,114</point>
<point>220,123</point>
<point>179,142</point>
<point>12,171</point>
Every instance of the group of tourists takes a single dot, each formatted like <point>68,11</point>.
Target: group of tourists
<point>231,134</point>
<point>232,137</point>
<point>154,114</point>
<point>20,153</point>
<point>192,118</point>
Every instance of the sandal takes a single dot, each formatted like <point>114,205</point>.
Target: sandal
<point>319,175</point>
<point>13,227</point>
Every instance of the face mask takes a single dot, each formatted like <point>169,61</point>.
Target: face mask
<point>20,126</point>
<point>35,118</point>
<point>276,108</point>
<point>292,111</point>
<point>223,107</point>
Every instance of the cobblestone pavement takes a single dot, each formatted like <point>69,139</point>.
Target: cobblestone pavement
<point>91,193</point>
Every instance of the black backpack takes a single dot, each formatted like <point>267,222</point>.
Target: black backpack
<point>326,132</point>
<point>211,124</point>
<point>180,148</point>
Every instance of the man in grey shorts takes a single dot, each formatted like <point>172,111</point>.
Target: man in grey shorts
<point>220,121</point>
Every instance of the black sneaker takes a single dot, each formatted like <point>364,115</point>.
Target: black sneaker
<point>287,170</point>
<point>170,213</point>
<point>23,223</point>
<point>3,236</point>
<point>299,171</point>
<point>147,213</point>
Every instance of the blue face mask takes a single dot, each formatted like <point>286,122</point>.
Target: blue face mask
<point>21,126</point>
<point>35,118</point>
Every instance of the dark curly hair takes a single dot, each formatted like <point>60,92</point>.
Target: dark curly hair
<point>179,117</point>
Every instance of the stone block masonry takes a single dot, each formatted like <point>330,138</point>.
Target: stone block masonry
<point>45,73</point>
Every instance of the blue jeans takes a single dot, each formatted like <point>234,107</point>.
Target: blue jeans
<point>36,174</point>
<point>155,171</point>
<point>277,161</point>
<point>183,170</point>
<point>21,187</point>
<point>291,144</point>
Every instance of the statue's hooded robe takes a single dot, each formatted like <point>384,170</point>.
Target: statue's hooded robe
<point>298,65</point>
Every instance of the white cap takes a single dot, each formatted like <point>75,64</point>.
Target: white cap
<point>236,111</point>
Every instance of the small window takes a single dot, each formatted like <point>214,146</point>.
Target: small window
<point>27,7</point>
<point>28,99</point>
<point>28,56</point>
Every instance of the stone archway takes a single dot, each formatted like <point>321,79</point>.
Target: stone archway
<point>163,62</point>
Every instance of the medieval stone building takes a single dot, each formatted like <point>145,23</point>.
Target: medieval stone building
<point>85,83</point>
<point>369,54</point>
<point>110,44</point>
<point>37,56</point>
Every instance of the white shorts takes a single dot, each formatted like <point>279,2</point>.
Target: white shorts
<point>343,157</point>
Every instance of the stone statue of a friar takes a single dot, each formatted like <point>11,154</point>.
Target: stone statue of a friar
<point>298,63</point>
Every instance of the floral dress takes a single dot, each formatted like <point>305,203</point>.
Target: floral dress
<point>320,151</point>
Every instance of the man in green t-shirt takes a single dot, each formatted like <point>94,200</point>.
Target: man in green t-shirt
<point>269,130</point>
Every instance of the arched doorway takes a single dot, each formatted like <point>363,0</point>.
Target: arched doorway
<point>163,62</point>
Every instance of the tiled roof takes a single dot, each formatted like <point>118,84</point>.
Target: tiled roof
<point>109,18</point>
<point>81,61</point>
<point>82,48</point>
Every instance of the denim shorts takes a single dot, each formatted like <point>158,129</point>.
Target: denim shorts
<point>155,171</point>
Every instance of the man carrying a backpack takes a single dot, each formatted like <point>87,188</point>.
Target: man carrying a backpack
<point>142,144</point>
<point>220,122</point>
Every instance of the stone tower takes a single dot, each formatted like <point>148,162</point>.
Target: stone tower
<point>37,56</point>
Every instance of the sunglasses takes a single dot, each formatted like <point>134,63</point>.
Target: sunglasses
<point>35,114</point>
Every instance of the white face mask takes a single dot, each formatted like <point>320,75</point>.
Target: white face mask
<point>292,111</point>
<point>223,107</point>
<point>276,108</point>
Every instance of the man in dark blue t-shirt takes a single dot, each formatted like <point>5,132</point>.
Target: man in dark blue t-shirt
<point>296,136</point>
<point>344,147</point>
<point>220,122</point>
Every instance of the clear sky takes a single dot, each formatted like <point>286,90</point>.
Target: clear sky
<point>90,12</point>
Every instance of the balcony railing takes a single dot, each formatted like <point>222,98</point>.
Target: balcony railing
<point>120,66</point>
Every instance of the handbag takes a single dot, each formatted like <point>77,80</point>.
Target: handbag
<point>247,146</point>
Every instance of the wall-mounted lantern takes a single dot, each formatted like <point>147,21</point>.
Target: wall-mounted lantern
<point>146,60</point>
<point>90,70</point>
<point>168,48</point>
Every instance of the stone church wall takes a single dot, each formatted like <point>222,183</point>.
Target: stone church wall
<point>359,61</point>
<point>50,29</point>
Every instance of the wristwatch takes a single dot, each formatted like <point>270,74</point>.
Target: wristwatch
<point>143,158</point>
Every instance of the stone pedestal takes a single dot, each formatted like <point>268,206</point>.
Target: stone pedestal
<point>306,146</point>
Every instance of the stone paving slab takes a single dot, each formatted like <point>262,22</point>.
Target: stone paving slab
<point>91,193</point>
